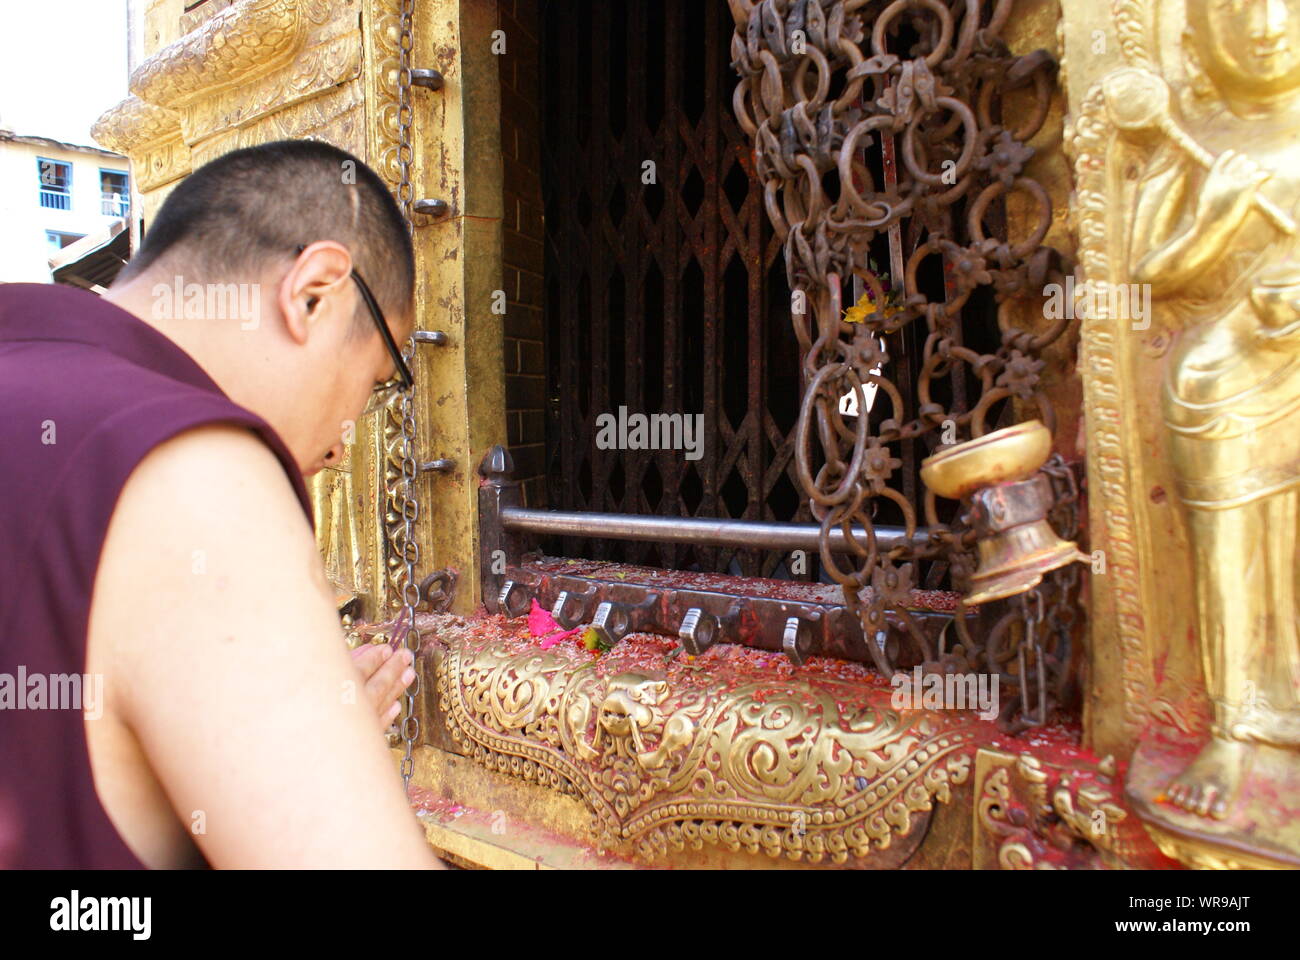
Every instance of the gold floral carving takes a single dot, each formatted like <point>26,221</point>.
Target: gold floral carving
<point>1108,402</point>
<point>239,66</point>
<point>662,768</point>
<point>382,39</point>
<point>1032,815</point>
<point>316,69</point>
<point>246,40</point>
<point>381,54</point>
<point>150,135</point>
<point>193,19</point>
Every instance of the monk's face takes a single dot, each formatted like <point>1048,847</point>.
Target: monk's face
<point>1248,46</point>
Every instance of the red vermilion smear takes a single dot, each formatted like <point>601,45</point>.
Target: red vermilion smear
<point>796,591</point>
<point>726,667</point>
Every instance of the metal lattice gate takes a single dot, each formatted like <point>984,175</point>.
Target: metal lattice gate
<point>662,297</point>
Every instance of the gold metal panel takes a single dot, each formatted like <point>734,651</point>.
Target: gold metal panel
<point>669,757</point>
<point>1184,118</point>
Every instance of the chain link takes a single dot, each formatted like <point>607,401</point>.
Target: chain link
<point>405,154</point>
<point>818,84</point>
<point>404,541</point>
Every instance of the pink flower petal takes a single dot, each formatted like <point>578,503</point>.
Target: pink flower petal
<point>555,638</point>
<point>540,622</point>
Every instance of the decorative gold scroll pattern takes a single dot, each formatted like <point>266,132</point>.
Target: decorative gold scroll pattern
<point>317,69</point>
<point>247,39</point>
<point>1103,358</point>
<point>150,135</point>
<point>787,774</point>
<point>1031,815</point>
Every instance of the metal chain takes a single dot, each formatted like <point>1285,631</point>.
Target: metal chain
<point>408,549</point>
<point>405,155</point>
<point>818,82</point>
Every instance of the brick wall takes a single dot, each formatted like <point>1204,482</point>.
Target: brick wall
<point>525,359</point>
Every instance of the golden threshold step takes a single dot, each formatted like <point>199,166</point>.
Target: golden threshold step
<point>643,756</point>
<point>475,838</point>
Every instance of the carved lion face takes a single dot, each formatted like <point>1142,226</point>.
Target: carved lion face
<point>628,702</point>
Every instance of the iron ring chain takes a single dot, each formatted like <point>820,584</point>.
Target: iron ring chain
<point>404,540</point>
<point>955,160</point>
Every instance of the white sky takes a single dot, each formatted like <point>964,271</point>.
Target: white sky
<point>62,64</point>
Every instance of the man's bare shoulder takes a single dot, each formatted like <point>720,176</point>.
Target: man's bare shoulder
<point>206,528</point>
<point>206,517</point>
<point>227,462</point>
<point>223,652</point>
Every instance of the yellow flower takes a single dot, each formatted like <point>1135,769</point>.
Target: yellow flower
<point>865,307</point>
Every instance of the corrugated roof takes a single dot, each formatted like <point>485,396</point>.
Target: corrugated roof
<point>93,260</point>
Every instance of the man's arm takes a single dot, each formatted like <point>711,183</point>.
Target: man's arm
<point>223,649</point>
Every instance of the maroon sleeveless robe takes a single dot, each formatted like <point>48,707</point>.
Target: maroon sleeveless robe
<point>86,391</point>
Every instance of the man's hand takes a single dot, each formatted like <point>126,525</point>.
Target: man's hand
<point>386,675</point>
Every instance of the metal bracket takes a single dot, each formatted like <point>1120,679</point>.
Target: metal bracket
<point>570,607</point>
<point>428,79</point>
<point>614,621</point>
<point>432,207</point>
<point>513,599</point>
<point>797,641</point>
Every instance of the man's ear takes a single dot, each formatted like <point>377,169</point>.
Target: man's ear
<point>319,271</point>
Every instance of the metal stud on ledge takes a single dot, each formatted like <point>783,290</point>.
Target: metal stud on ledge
<point>513,599</point>
<point>798,640</point>
<point>699,631</point>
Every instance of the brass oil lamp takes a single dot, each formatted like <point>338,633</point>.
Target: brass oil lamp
<point>1001,475</point>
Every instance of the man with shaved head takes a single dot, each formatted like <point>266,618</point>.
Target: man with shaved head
<point>158,538</point>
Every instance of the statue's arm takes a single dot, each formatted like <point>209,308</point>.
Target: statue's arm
<point>1168,257</point>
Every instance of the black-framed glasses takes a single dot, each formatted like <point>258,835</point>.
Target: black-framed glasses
<point>403,378</point>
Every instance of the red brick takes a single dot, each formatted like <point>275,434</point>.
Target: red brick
<point>530,288</point>
<point>528,146</point>
<point>515,31</point>
<point>510,283</point>
<point>531,357</point>
<point>532,426</point>
<point>525,393</point>
<point>534,491</point>
<point>514,429</point>
<point>530,460</point>
<point>523,252</point>
<point>509,138</point>
<point>522,109</point>
<point>524,322</point>
<point>520,178</point>
<point>527,75</point>
<point>529,13</point>
<point>530,220</point>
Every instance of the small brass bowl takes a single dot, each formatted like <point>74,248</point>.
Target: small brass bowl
<point>1004,456</point>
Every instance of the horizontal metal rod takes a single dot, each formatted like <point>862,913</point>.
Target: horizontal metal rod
<point>701,531</point>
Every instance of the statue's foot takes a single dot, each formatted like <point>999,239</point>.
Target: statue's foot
<point>1210,783</point>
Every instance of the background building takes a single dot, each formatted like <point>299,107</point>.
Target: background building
<point>53,194</point>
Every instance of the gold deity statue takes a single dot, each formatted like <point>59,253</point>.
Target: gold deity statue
<point>1214,235</point>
